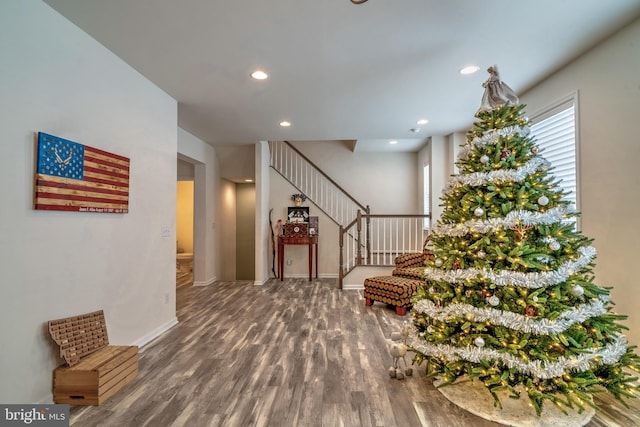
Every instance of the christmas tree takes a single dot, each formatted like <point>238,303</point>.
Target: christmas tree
<point>510,298</point>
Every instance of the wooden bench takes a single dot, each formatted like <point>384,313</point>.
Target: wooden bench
<point>94,370</point>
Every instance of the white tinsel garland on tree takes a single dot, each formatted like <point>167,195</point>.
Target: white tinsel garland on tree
<point>512,320</point>
<point>476,179</point>
<point>514,278</point>
<point>609,354</point>
<point>491,137</point>
<point>512,219</point>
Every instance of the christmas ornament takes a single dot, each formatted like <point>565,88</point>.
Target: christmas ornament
<point>535,150</point>
<point>479,342</point>
<point>481,254</point>
<point>554,245</point>
<point>493,300</point>
<point>456,265</point>
<point>484,159</point>
<point>521,231</point>
<point>439,262</point>
<point>478,212</point>
<point>577,290</point>
<point>432,290</point>
<point>543,200</point>
<point>504,154</point>
<point>531,310</point>
<point>485,292</point>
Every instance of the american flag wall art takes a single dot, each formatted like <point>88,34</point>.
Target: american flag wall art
<point>75,177</point>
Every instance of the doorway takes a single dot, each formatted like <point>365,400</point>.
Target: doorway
<point>184,224</point>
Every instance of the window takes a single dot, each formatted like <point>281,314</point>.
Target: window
<point>427,200</point>
<point>555,133</point>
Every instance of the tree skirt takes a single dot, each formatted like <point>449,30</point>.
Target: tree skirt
<point>475,398</point>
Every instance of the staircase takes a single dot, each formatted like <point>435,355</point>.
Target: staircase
<point>364,239</point>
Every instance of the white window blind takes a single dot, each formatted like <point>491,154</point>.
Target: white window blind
<point>427,199</point>
<point>555,133</point>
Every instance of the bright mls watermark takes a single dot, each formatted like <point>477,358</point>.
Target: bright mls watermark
<point>34,415</point>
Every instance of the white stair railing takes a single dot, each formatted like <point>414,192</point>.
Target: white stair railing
<point>334,201</point>
<point>384,236</point>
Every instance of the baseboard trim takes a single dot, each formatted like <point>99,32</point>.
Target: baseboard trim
<point>352,287</point>
<point>205,283</point>
<point>146,339</point>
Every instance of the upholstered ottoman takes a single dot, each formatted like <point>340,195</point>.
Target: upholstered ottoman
<point>392,290</point>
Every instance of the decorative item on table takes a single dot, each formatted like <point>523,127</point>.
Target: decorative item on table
<point>297,214</point>
<point>298,199</point>
<point>296,229</point>
<point>313,225</point>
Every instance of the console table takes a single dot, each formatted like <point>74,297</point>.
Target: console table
<point>311,241</point>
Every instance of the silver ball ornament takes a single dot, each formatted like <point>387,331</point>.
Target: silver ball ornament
<point>478,212</point>
<point>439,262</point>
<point>481,254</point>
<point>484,159</point>
<point>554,246</point>
<point>493,300</point>
<point>543,200</point>
<point>479,342</point>
<point>577,290</point>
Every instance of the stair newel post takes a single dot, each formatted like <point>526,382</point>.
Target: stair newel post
<point>359,238</point>
<point>341,267</point>
<point>368,235</point>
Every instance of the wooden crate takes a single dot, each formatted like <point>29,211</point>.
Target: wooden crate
<point>94,369</point>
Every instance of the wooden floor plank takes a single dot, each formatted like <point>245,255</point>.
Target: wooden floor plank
<point>292,353</point>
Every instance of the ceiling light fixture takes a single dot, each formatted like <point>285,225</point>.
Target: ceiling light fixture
<point>358,1</point>
<point>259,75</point>
<point>394,142</point>
<point>469,69</point>
<point>285,124</point>
<point>422,122</point>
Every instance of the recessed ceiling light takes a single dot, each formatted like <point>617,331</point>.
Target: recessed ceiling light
<point>259,75</point>
<point>285,124</point>
<point>248,180</point>
<point>469,69</point>
<point>394,142</point>
<point>422,121</point>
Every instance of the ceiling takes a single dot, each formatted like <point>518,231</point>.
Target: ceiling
<point>338,70</point>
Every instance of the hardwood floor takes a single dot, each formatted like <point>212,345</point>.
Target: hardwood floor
<point>292,353</point>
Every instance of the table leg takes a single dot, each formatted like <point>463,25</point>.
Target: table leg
<point>316,245</point>
<point>310,260</point>
<point>281,261</point>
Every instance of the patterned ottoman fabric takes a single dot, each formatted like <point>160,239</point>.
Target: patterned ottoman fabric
<point>414,259</point>
<point>392,290</point>
<point>416,273</point>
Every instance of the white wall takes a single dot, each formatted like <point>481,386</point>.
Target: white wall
<point>608,85</point>
<point>56,79</point>
<point>263,233</point>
